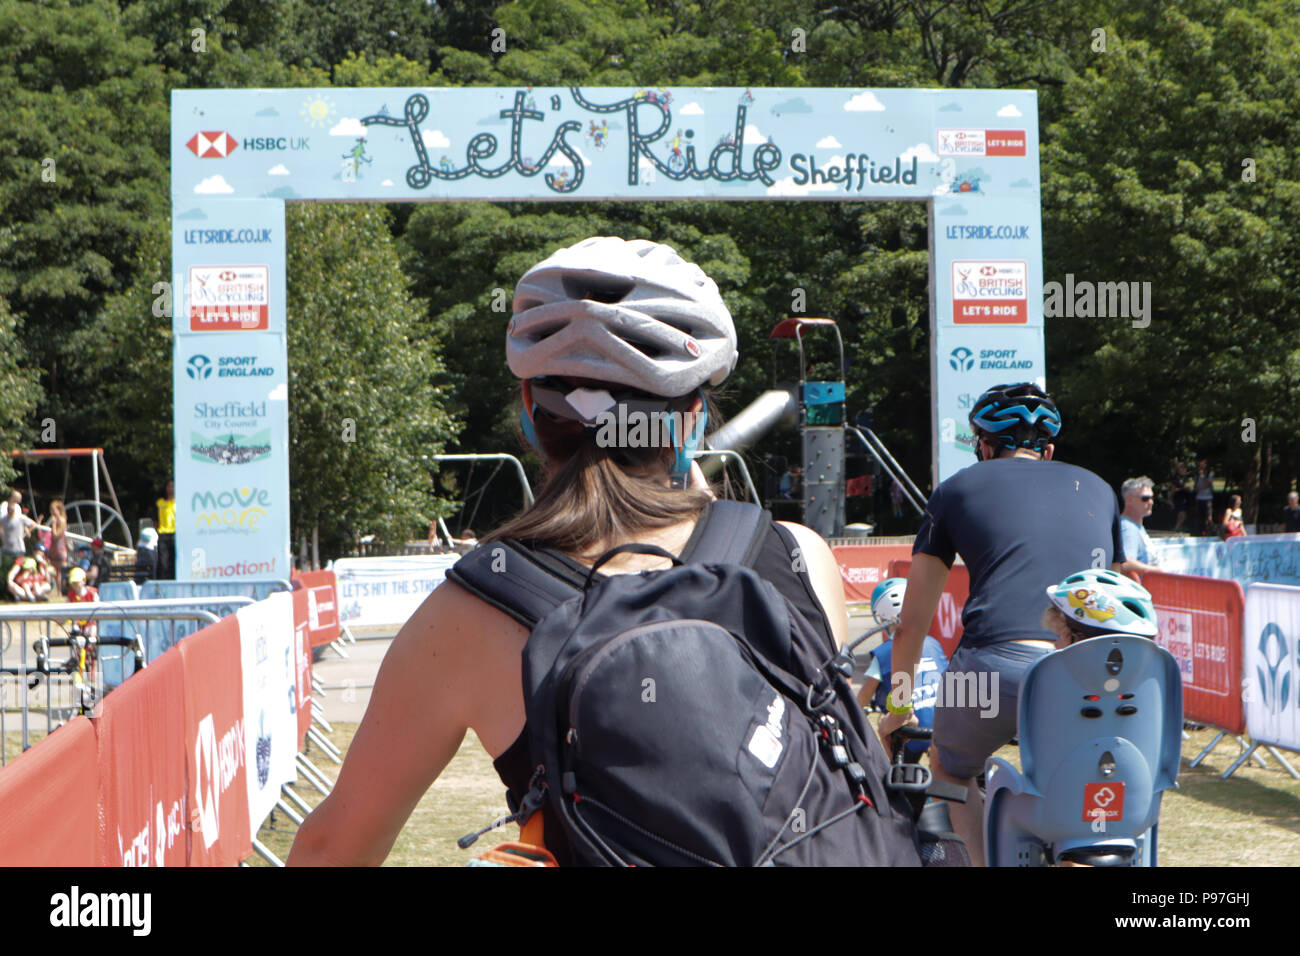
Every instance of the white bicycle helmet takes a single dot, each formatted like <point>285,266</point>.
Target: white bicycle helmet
<point>1100,602</point>
<point>887,599</point>
<point>630,313</point>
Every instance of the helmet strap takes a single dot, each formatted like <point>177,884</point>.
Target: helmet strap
<point>526,413</point>
<point>684,449</point>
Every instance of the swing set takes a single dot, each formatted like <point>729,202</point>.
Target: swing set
<point>87,518</point>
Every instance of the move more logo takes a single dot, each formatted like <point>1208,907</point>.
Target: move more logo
<point>238,510</point>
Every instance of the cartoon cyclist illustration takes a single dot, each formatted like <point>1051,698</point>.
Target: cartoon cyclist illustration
<point>357,156</point>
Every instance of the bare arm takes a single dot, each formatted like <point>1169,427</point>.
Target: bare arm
<point>824,573</point>
<point>429,690</point>
<point>925,584</point>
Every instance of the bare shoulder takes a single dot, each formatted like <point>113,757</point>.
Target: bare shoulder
<point>809,541</point>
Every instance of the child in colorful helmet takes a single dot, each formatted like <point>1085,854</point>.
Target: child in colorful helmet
<point>887,605</point>
<point>1098,603</point>
<point>79,591</point>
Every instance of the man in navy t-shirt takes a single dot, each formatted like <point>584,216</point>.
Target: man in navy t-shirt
<point>1020,522</point>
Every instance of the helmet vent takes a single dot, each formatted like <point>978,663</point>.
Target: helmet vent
<point>597,288</point>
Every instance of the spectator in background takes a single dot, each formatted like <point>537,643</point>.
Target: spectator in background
<point>58,540</point>
<point>1231,526</point>
<point>1180,497</point>
<point>79,591</point>
<point>146,556</point>
<point>1204,492</point>
<point>100,563</point>
<point>1291,513</point>
<point>14,527</point>
<point>46,569</point>
<point>792,482</point>
<point>1139,498</point>
<point>896,498</point>
<point>25,582</point>
<point>167,532</point>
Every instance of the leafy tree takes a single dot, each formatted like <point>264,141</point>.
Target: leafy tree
<point>1159,196</point>
<point>123,361</point>
<point>20,392</point>
<point>365,403</point>
<point>83,175</point>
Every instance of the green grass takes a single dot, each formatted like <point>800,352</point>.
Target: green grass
<point>1251,819</point>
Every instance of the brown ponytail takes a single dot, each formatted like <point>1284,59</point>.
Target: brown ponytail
<point>596,496</point>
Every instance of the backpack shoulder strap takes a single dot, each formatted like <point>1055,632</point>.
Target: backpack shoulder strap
<point>525,584</point>
<point>728,532</point>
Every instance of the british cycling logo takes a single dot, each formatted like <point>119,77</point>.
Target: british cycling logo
<point>1274,677</point>
<point>199,366</point>
<point>962,359</point>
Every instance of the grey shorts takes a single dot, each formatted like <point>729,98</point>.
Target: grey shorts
<point>977,707</point>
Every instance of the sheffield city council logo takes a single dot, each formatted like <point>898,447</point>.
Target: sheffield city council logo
<point>199,366</point>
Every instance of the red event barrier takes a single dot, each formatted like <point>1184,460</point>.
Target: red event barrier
<point>143,783</point>
<point>48,810</point>
<point>863,566</point>
<point>946,626</point>
<point>1200,624</point>
<point>302,646</point>
<point>215,759</point>
<point>322,606</point>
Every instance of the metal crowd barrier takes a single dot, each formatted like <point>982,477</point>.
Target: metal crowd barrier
<point>62,698</point>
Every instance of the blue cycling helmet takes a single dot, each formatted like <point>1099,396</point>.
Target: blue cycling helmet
<point>1016,416</point>
<point>887,599</point>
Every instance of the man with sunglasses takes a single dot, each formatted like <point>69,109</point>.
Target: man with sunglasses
<point>1139,498</point>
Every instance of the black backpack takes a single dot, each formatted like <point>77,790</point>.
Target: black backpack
<point>687,716</point>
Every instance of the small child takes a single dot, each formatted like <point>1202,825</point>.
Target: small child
<point>887,605</point>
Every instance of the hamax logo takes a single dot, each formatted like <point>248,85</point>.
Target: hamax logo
<point>199,366</point>
<point>239,509</point>
<point>218,763</point>
<point>212,145</point>
<point>962,359</point>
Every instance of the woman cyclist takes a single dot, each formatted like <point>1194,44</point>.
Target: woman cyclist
<point>602,324</point>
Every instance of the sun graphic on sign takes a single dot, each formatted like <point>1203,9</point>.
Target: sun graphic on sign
<point>318,111</point>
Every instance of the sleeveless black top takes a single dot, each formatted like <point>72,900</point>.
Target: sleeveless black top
<point>774,564</point>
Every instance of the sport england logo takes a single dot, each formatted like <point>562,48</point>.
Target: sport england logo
<point>199,366</point>
<point>962,359</point>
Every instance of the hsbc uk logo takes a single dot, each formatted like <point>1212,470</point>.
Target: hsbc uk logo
<point>212,145</point>
<point>218,144</point>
